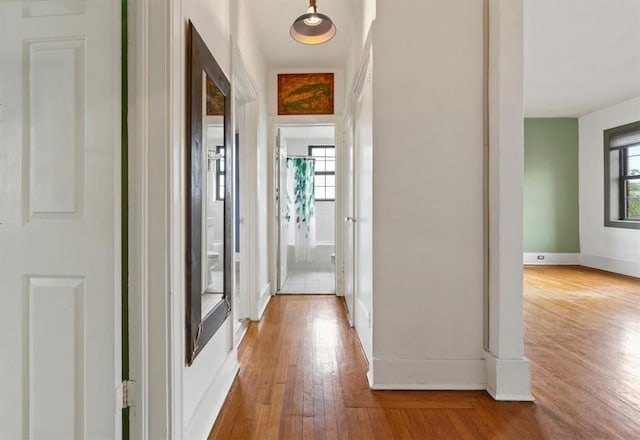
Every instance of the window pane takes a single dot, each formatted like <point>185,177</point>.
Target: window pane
<point>331,192</point>
<point>221,192</point>
<point>331,165</point>
<point>320,192</point>
<point>331,152</point>
<point>633,161</point>
<point>331,180</point>
<point>317,152</point>
<point>319,181</point>
<point>320,165</point>
<point>633,199</point>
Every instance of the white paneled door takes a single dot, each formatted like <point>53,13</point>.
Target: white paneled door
<point>283,216</point>
<point>363,208</point>
<point>349,220</point>
<point>60,248</point>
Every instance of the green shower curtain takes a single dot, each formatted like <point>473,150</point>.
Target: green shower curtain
<point>300,191</point>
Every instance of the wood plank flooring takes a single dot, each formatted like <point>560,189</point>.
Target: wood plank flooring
<point>302,373</point>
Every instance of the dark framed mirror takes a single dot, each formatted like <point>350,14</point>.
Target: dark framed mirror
<point>208,198</point>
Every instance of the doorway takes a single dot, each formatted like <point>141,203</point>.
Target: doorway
<point>306,194</point>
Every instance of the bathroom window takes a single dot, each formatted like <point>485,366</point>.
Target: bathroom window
<point>622,176</point>
<point>325,171</point>
<point>220,174</point>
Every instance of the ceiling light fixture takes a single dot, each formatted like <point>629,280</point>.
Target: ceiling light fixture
<point>312,27</point>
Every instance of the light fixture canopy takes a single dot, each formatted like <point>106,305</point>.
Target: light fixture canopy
<point>312,27</point>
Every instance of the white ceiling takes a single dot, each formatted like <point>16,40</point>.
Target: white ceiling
<point>273,18</point>
<point>579,55</point>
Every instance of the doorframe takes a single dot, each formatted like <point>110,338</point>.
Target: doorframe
<point>277,122</point>
<point>277,196</point>
<point>245,103</point>
<point>125,373</point>
<point>152,271</point>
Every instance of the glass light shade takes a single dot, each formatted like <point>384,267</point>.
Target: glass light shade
<point>312,28</point>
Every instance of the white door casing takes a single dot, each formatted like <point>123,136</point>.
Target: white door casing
<point>60,250</point>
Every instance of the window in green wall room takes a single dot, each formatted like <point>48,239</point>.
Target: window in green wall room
<point>622,176</point>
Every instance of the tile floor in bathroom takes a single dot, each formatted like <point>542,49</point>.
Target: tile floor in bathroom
<point>309,280</point>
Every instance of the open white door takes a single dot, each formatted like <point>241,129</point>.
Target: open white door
<point>60,219</point>
<point>283,216</point>
<point>363,207</point>
<point>349,220</point>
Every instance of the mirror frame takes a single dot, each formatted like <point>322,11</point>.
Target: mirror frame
<point>199,329</point>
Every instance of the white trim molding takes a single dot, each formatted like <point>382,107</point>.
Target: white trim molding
<point>508,379</point>
<point>209,407</point>
<point>630,268</point>
<point>545,258</point>
<point>265,297</point>
<point>429,374</point>
<point>151,130</point>
<point>507,370</point>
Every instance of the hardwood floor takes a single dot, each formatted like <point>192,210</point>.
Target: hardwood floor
<point>302,373</point>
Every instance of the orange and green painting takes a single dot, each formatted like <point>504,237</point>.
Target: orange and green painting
<point>215,99</point>
<point>305,94</point>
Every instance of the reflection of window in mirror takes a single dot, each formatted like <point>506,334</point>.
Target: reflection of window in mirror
<point>216,173</point>
<point>220,173</point>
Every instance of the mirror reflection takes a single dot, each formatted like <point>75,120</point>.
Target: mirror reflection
<point>214,167</point>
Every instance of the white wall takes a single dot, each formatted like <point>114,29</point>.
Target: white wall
<point>300,147</point>
<point>612,249</point>
<point>325,222</point>
<point>427,196</point>
<point>212,20</point>
<point>259,158</point>
<point>200,390</point>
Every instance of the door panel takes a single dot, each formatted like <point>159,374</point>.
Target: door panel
<point>349,226</point>
<point>363,186</point>
<point>283,216</point>
<point>59,219</point>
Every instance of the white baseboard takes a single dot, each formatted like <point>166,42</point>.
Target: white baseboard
<point>508,379</point>
<point>265,297</point>
<point>550,258</point>
<point>363,330</point>
<point>623,267</point>
<point>210,405</point>
<point>428,374</point>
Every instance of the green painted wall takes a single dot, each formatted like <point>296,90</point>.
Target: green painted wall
<point>551,185</point>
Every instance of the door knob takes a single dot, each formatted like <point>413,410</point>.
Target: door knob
<point>350,219</point>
